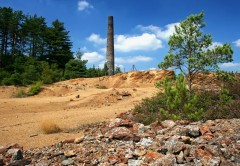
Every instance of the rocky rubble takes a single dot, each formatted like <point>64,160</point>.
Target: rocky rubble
<point>123,142</point>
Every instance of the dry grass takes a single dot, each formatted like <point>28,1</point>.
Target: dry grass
<point>100,86</point>
<point>84,126</point>
<point>49,126</point>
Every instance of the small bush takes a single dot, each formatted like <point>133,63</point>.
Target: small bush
<point>49,127</point>
<point>35,89</point>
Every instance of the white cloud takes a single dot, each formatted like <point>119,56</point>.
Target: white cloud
<point>101,64</point>
<point>133,59</point>
<point>144,42</point>
<point>95,38</point>
<point>152,68</point>
<point>230,66</point>
<point>92,57</point>
<point>103,50</point>
<point>215,44</point>
<point>121,66</point>
<point>237,43</point>
<point>84,49</point>
<point>123,43</point>
<point>159,32</point>
<point>83,5</point>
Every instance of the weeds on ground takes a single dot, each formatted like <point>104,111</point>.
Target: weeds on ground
<point>100,86</point>
<point>21,94</point>
<point>34,90</point>
<point>49,127</point>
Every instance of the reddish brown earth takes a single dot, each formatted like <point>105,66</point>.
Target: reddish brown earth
<point>71,104</point>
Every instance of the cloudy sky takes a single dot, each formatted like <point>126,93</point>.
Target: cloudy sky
<point>142,27</point>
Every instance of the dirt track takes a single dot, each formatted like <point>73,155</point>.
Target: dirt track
<point>99,99</point>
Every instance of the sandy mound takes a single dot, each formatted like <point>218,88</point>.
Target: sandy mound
<point>71,104</point>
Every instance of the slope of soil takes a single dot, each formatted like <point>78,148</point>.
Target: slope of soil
<point>71,104</point>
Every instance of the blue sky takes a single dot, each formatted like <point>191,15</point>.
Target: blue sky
<point>142,27</point>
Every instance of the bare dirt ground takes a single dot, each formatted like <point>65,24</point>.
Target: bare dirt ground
<point>71,104</point>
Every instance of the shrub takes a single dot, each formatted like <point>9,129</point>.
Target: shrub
<point>219,105</point>
<point>49,126</point>
<point>148,110</point>
<point>35,88</point>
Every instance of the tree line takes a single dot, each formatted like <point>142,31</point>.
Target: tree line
<point>31,51</point>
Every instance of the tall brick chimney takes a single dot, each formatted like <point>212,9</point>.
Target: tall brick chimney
<point>110,46</point>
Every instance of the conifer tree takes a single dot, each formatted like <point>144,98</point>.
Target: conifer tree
<point>190,50</point>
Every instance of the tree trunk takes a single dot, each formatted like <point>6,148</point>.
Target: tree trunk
<point>189,82</point>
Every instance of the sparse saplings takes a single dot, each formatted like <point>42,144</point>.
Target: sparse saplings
<point>190,50</point>
<point>177,104</point>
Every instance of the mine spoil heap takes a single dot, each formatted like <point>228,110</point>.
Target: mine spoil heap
<point>121,142</point>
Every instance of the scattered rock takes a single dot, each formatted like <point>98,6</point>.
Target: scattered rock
<point>175,146</point>
<point>193,131</point>
<point>132,162</point>
<point>69,153</point>
<point>78,140</point>
<point>117,122</point>
<point>122,142</point>
<point>125,93</point>
<point>168,124</point>
<point>70,140</point>
<point>69,161</point>
<point>180,158</point>
<point>168,159</point>
<point>119,133</point>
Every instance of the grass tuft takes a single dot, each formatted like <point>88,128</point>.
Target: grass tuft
<point>49,127</point>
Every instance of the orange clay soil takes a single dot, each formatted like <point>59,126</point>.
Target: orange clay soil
<point>71,104</point>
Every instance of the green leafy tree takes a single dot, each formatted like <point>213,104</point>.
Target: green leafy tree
<point>191,52</point>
